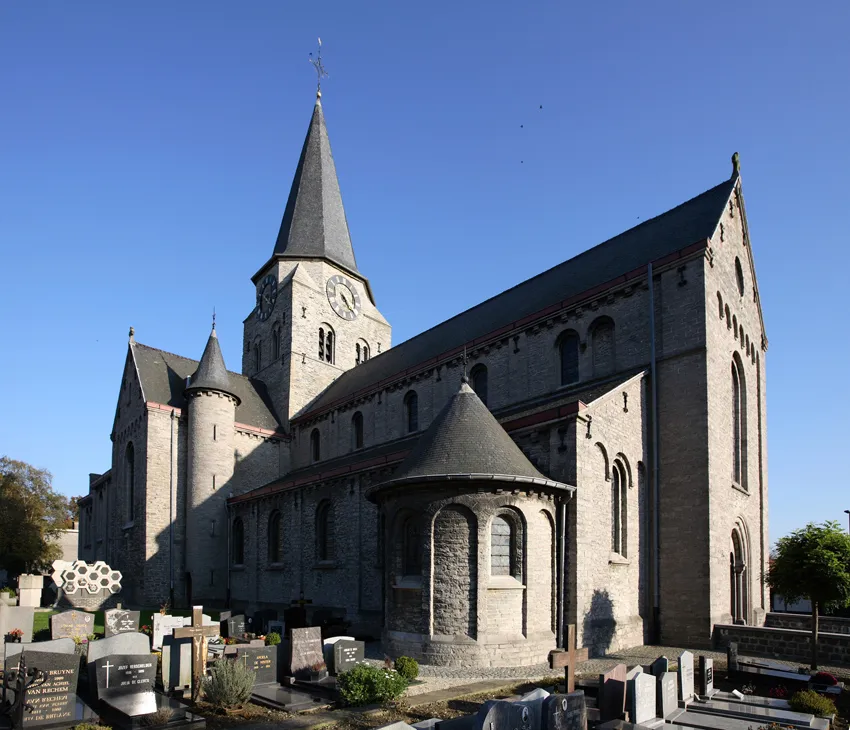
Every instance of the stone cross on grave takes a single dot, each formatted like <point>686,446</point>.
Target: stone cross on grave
<point>568,658</point>
<point>198,633</point>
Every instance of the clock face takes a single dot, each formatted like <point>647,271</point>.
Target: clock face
<point>266,296</point>
<point>343,297</point>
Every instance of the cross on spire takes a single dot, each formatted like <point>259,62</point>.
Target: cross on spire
<point>465,377</point>
<point>320,69</point>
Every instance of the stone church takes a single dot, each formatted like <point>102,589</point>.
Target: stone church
<point>587,447</point>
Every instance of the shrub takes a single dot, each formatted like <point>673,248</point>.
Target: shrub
<point>811,702</point>
<point>90,726</point>
<point>272,638</point>
<point>366,685</point>
<point>229,684</point>
<point>407,667</point>
<point>9,590</point>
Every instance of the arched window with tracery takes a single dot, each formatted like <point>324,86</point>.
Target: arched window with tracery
<point>619,511</point>
<point>237,542</point>
<point>505,557</point>
<point>315,445</point>
<point>411,411</point>
<point>739,423</point>
<point>411,547</point>
<point>324,531</point>
<point>130,480</point>
<point>357,430</point>
<point>478,381</point>
<point>604,357</point>
<point>568,343</point>
<point>274,537</point>
<point>326,343</point>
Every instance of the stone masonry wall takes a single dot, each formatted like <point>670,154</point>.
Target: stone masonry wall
<point>733,330</point>
<point>803,622</point>
<point>787,644</point>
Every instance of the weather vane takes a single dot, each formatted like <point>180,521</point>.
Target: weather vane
<point>320,69</point>
<point>213,317</point>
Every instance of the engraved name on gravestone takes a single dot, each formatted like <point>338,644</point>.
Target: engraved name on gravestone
<point>118,621</point>
<point>667,694</point>
<point>234,626</point>
<point>565,712</point>
<point>686,676</point>
<point>612,693</point>
<point>347,654</point>
<point>262,660</point>
<point>642,699</point>
<point>127,643</point>
<point>164,624</point>
<point>126,681</point>
<point>53,701</point>
<point>70,624</point>
<point>706,676</point>
<point>305,649</point>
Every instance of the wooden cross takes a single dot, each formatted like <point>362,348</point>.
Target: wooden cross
<point>301,601</point>
<point>567,659</point>
<point>198,633</point>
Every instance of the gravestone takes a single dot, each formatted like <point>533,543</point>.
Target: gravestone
<point>612,693</point>
<point>198,632</point>
<point>125,644</point>
<point>659,666</point>
<point>633,672</point>
<point>234,626</point>
<point>29,590</point>
<point>176,664</point>
<point>564,712</point>
<point>125,681</point>
<point>328,649</point>
<point>277,626</point>
<point>70,624</point>
<point>667,695</point>
<point>164,624</point>
<point>54,646</point>
<point>262,660</point>
<point>641,698</point>
<point>502,715</point>
<point>16,617</point>
<point>54,701</point>
<point>117,621</point>
<point>686,676</point>
<point>305,649</point>
<point>347,654</point>
<point>706,676</point>
<point>260,620</point>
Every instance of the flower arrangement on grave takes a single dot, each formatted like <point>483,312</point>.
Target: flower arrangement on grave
<point>146,629</point>
<point>825,678</point>
<point>14,636</point>
<point>780,692</point>
<point>229,640</point>
<point>318,671</point>
<point>272,638</point>
<point>748,689</point>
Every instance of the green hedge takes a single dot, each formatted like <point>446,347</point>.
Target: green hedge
<point>367,685</point>
<point>811,702</point>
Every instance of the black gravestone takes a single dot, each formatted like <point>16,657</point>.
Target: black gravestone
<point>260,620</point>
<point>234,626</point>
<point>126,681</point>
<point>71,624</point>
<point>347,654</point>
<point>564,712</point>
<point>706,676</point>
<point>117,621</point>
<point>53,701</point>
<point>502,715</point>
<point>295,618</point>
<point>262,660</point>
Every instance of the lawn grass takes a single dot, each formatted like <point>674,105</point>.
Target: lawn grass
<point>41,620</point>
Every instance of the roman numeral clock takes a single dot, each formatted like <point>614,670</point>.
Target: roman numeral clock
<point>343,297</point>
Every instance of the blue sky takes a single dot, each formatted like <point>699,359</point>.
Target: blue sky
<point>148,148</point>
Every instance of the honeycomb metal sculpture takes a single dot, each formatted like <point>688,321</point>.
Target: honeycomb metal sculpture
<point>81,576</point>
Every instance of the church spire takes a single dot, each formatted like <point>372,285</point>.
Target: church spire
<point>211,373</point>
<point>314,223</point>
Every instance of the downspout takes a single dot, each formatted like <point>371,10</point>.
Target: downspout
<point>656,531</point>
<point>227,557</point>
<point>171,517</point>
<point>562,564</point>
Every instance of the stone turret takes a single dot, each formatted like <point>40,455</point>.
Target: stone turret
<point>210,462</point>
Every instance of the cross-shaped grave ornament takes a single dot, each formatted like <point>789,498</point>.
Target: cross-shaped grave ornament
<point>568,658</point>
<point>198,633</point>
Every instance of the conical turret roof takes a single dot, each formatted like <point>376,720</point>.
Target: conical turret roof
<point>465,441</point>
<point>211,373</point>
<point>314,223</point>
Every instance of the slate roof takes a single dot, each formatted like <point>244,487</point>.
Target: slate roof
<point>211,373</point>
<point>689,223</point>
<point>163,377</point>
<point>465,441</point>
<point>314,223</point>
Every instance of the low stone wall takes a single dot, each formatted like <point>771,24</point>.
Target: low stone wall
<point>803,622</point>
<point>86,601</point>
<point>787,644</point>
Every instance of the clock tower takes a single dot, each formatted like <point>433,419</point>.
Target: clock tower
<point>315,314</point>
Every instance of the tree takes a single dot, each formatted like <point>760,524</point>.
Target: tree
<point>31,517</point>
<point>814,563</point>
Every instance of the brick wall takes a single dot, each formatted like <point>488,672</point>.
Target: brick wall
<point>787,644</point>
<point>803,622</point>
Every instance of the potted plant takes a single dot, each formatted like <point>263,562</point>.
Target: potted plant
<point>318,672</point>
<point>8,596</point>
<point>15,636</point>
